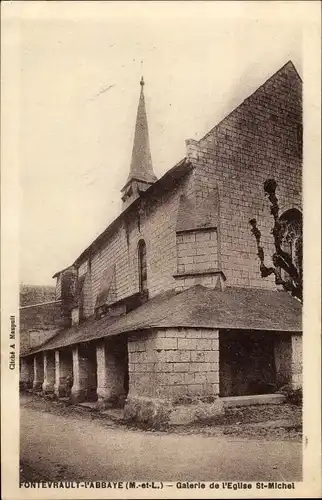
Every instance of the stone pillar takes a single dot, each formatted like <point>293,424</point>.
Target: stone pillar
<point>80,376</point>
<point>26,372</point>
<point>283,359</point>
<point>169,367</point>
<point>296,361</point>
<point>174,363</point>
<point>63,373</point>
<point>38,371</point>
<point>110,372</point>
<point>49,372</point>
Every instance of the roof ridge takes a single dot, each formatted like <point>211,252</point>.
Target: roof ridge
<point>251,95</point>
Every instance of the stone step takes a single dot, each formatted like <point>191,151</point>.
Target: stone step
<point>259,399</point>
<point>91,405</point>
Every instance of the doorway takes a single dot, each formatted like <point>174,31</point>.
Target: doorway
<point>246,363</point>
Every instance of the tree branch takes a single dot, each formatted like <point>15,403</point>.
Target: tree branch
<point>281,259</point>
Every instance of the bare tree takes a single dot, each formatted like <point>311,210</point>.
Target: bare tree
<point>287,265</point>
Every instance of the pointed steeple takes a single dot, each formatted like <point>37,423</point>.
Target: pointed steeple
<point>141,174</point>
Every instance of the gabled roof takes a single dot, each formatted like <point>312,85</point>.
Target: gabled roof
<point>169,179</point>
<point>181,168</point>
<point>288,70</point>
<point>197,307</point>
<point>57,273</point>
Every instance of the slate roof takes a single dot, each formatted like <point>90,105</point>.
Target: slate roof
<point>198,307</point>
<point>141,164</point>
<point>36,294</point>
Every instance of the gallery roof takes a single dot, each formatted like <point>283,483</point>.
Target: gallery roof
<point>197,307</point>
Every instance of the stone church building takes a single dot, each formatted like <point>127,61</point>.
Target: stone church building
<point>167,305</point>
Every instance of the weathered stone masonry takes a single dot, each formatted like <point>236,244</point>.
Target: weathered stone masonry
<point>84,373</point>
<point>38,371</point>
<point>174,363</point>
<point>48,385</point>
<point>26,372</point>
<point>258,140</point>
<point>63,372</point>
<point>194,223</point>
<point>288,360</point>
<point>197,250</point>
<point>156,226</point>
<point>111,370</point>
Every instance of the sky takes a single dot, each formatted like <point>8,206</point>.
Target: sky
<point>200,60</point>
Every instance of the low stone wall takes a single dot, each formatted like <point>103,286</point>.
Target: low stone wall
<point>151,412</point>
<point>160,413</point>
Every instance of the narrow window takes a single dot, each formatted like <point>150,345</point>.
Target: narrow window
<point>142,266</point>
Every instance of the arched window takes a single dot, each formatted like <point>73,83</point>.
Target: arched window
<point>142,266</point>
<point>292,236</point>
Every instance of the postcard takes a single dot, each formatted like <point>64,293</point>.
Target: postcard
<point>160,260</point>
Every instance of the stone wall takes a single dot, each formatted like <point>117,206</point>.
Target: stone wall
<point>26,375</point>
<point>155,223</point>
<point>35,294</point>
<point>260,139</point>
<point>156,226</point>
<point>87,307</point>
<point>38,323</point>
<point>174,364</point>
<point>58,287</point>
<point>197,250</point>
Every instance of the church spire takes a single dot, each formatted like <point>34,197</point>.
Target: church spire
<point>141,174</point>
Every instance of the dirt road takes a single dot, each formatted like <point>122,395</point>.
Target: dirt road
<point>57,447</point>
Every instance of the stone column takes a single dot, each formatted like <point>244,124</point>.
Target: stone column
<point>170,366</point>
<point>38,371</point>
<point>49,372</point>
<point>110,373</point>
<point>80,373</point>
<point>63,373</point>
<point>26,372</point>
<point>296,361</point>
<point>283,359</point>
